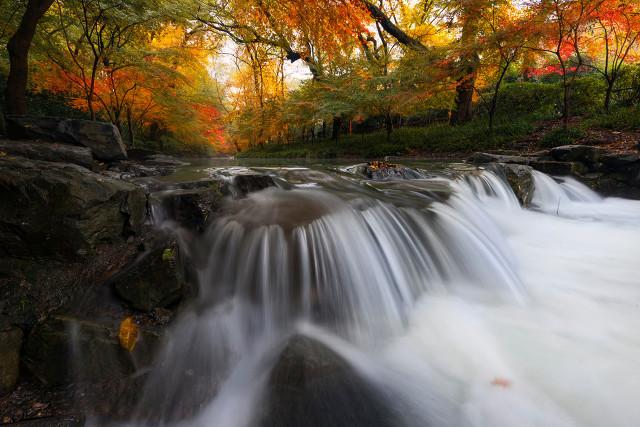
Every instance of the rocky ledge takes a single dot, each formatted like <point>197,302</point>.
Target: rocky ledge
<point>607,172</point>
<point>82,263</point>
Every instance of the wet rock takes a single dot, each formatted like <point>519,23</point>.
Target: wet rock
<point>62,210</point>
<point>241,185</point>
<point>190,208</point>
<point>558,168</point>
<point>10,344</point>
<point>483,158</point>
<point>615,161</point>
<point>64,421</point>
<point>50,152</point>
<point>164,160</point>
<point>103,139</point>
<point>576,153</point>
<point>128,170</point>
<point>64,349</point>
<point>311,385</point>
<point>520,178</point>
<point>380,171</point>
<point>154,279</point>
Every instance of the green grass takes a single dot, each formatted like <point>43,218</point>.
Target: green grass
<point>617,119</point>
<point>440,138</point>
<point>561,136</point>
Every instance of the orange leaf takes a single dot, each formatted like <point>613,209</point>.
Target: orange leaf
<point>128,334</point>
<point>501,382</point>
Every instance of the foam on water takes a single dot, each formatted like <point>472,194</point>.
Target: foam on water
<point>465,312</point>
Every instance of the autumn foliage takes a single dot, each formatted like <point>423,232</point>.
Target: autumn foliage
<point>226,75</point>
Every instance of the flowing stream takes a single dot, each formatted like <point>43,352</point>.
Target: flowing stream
<point>455,306</point>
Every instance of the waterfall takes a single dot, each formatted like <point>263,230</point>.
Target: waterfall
<point>455,307</point>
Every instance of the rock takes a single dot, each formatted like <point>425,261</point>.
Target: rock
<point>11,343</point>
<point>63,421</point>
<point>241,185</point>
<point>42,128</point>
<point>311,385</point>
<point>558,168</point>
<point>103,139</point>
<point>64,349</point>
<point>62,210</point>
<point>380,171</point>
<point>520,178</point>
<point>153,279</point>
<point>128,170</point>
<point>164,160</point>
<point>615,161</point>
<point>483,158</point>
<point>190,208</point>
<point>576,153</point>
<point>50,152</point>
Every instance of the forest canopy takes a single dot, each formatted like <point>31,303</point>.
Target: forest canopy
<point>227,75</point>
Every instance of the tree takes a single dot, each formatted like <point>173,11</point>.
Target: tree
<point>617,28</point>
<point>18,48</point>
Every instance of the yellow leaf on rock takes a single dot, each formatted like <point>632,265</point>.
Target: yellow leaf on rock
<point>128,334</point>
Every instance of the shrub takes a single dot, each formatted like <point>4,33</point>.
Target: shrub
<point>586,95</point>
<point>618,119</point>
<point>525,98</point>
<point>561,136</point>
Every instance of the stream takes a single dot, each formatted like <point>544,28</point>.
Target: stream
<point>444,301</point>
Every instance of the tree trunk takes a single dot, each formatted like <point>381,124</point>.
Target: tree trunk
<point>335,129</point>
<point>18,48</point>
<point>607,96</point>
<point>388,126</point>
<point>130,128</point>
<point>469,61</point>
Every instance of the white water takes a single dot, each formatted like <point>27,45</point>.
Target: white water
<point>469,312</point>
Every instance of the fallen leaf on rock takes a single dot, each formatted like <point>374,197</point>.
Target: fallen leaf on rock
<point>128,334</point>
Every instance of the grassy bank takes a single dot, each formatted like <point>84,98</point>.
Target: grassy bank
<point>442,140</point>
<point>436,139</point>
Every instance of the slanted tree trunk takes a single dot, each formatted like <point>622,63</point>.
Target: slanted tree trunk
<point>607,97</point>
<point>18,48</point>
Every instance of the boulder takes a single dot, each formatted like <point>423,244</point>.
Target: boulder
<point>520,179</point>
<point>551,167</point>
<point>62,210</point>
<point>616,161</point>
<point>103,139</point>
<point>63,349</point>
<point>576,153</point>
<point>311,385</point>
<point>154,279</point>
<point>190,208</point>
<point>241,185</point>
<point>41,128</point>
<point>11,343</point>
<point>51,152</point>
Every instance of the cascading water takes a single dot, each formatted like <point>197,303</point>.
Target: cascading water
<point>453,305</point>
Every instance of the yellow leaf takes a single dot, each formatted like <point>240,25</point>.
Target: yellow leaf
<point>128,334</point>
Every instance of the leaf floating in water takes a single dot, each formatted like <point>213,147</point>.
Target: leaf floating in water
<point>501,382</point>
<point>128,334</point>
